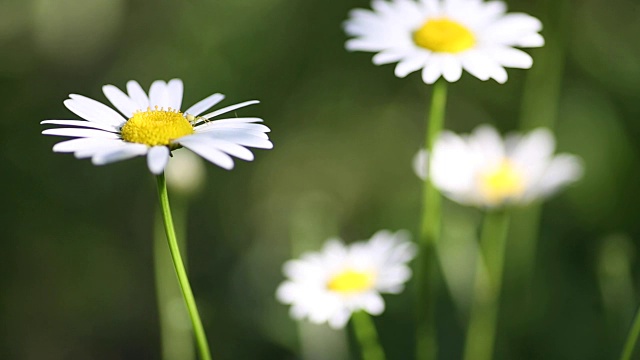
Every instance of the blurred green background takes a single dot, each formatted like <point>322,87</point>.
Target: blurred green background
<point>77,252</point>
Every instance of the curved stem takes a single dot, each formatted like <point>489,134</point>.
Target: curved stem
<point>483,321</point>
<point>427,262</point>
<point>632,338</point>
<point>198,329</point>
<point>365,331</point>
<point>177,341</point>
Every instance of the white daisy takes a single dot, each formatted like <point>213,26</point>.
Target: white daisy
<point>482,169</point>
<point>329,285</point>
<point>442,37</point>
<point>154,126</point>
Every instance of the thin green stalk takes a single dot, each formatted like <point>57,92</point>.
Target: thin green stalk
<point>540,103</point>
<point>632,338</point>
<point>483,321</point>
<point>426,266</point>
<point>365,331</point>
<point>183,280</point>
<point>175,335</point>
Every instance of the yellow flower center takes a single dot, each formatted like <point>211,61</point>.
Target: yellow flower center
<point>501,182</point>
<point>351,281</point>
<point>156,127</point>
<point>444,36</point>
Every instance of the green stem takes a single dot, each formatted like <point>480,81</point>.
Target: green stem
<point>632,338</point>
<point>365,331</point>
<point>426,266</point>
<point>176,338</point>
<point>540,103</point>
<point>483,321</point>
<point>198,329</point>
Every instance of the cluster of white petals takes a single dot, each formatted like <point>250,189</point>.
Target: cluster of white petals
<point>99,136</point>
<point>328,286</point>
<point>443,37</point>
<point>483,169</point>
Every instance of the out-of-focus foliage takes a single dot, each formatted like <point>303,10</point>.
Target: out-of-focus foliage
<point>77,269</point>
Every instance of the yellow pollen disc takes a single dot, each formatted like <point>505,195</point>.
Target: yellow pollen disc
<point>156,127</point>
<point>351,281</point>
<point>502,182</point>
<point>444,36</point>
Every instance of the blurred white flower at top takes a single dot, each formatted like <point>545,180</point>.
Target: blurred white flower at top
<point>328,286</point>
<point>185,172</point>
<point>482,169</point>
<point>154,125</point>
<point>443,37</point>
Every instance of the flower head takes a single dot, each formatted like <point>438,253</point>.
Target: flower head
<point>154,126</point>
<point>482,169</point>
<point>329,285</point>
<point>442,37</point>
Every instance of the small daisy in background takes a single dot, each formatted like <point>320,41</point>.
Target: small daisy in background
<point>154,125</point>
<point>443,37</point>
<point>328,286</point>
<point>185,173</point>
<point>482,169</point>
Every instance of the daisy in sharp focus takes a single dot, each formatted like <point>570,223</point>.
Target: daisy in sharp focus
<point>154,125</point>
<point>328,286</point>
<point>443,37</point>
<point>482,169</point>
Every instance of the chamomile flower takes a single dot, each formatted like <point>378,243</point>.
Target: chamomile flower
<point>443,37</point>
<point>482,169</point>
<point>327,286</point>
<point>153,125</point>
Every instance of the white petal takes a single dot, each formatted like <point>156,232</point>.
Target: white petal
<point>432,70</point>
<point>175,88</point>
<point>498,73</point>
<point>486,142</point>
<point>92,110</point>
<point>411,64</point>
<point>230,148</point>
<point>241,137</point>
<point>420,164</point>
<point>83,144</point>
<point>451,68</point>
<point>86,133</point>
<point>230,108</point>
<point>210,153</point>
<point>388,57</point>
<point>513,58</point>
<point>121,153</point>
<point>82,123</point>
<point>531,40</point>
<point>339,319</point>
<point>158,95</point>
<point>204,104</point>
<point>137,94</point>
<point>373,303</point>
<point>475,62</point>
<point>239,120</point>
<point>120,100</point>
<point>223,131</point>
<point>157,159</point>
<point>562,170</point>
<point>99,148</point>
<point>534,148</point>
<point>231,125</point>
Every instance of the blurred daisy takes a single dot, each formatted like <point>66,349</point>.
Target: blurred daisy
<point>329,285</point>
<point>185,173</point>
<point>483,170</point>
<point>154,126</point>
<point>442,37</point>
